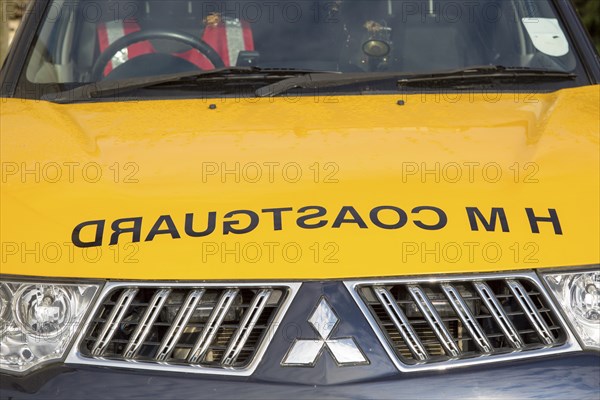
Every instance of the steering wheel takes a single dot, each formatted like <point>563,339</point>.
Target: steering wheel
<point>140,36</point>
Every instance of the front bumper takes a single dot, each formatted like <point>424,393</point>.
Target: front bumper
<point>566,376</point>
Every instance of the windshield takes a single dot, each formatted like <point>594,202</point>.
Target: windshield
<point>88,41</point>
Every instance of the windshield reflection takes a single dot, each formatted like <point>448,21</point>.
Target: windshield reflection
<point>92,40</point>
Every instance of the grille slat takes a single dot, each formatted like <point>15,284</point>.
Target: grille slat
<point>246,326</point>
<point>465,315</point>
<point>223,326</point>
<point>435,321</point>
<point>210,330</point>
<point>401,323</point>
<point>531,312</point>
<point>114,318</point>
<point>499,315</point>
<point>143,328</point>
<point>181,320</point>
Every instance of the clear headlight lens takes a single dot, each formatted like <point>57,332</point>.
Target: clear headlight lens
<point>38,321</point>
<point>579,296</point>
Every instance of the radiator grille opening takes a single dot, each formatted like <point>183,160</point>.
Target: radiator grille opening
<point>214,327</point>
<point>432,322</point>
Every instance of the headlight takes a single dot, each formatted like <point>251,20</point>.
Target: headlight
<point>38,321</point>
<point>579,296</point>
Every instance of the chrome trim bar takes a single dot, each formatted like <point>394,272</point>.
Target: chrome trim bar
<point>434,320</point>
<point>531,311</point>
<point>144,326</point>
<point>401,323</point>
<point>243,332</point>
<point>179,324</point>
<point>212,326</point>
<point>497,312</point>
<point>465,315</point>
<point>113,320</point>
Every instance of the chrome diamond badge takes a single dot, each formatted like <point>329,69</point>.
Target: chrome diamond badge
<point>306,352</point>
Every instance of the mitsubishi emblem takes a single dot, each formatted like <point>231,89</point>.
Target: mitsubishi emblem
<point>306,352</point>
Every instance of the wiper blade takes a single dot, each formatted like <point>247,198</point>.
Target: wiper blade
<point>472,74</point>
<point>484,74</point>
<point>110,88</point>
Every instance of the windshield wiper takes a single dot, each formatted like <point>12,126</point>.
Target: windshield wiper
<point>470,76</point>
<point>288,79</point>
<point>110,88</point>
<point>484,74</point>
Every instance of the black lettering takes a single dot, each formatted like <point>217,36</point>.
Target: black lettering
<point>533,221</point>
<point>135,230</point>
<point>228,225</point>
<point>356,218</point>
<point>277,215</point>
<point>320,212</point>
<point>497,214</point>
<point>189,225</point>
<point>442,218</point>
<point>76,235</point>
<point>156,229</point>
<point>402,217</point>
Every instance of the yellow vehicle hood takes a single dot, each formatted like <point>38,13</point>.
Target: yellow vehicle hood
<point>301,188</point>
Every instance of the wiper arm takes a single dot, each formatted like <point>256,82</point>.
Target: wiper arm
<point>472,75</point>
<point>484,74</point>
<point>320,80</point>
<point>110,88</point>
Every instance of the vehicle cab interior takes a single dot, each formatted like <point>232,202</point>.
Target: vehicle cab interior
<point>151,37</point>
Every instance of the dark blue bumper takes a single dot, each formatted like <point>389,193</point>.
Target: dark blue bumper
<point>570,376</point>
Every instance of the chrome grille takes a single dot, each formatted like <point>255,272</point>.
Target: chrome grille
<point>440,322</point>
<point>206,327</point>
